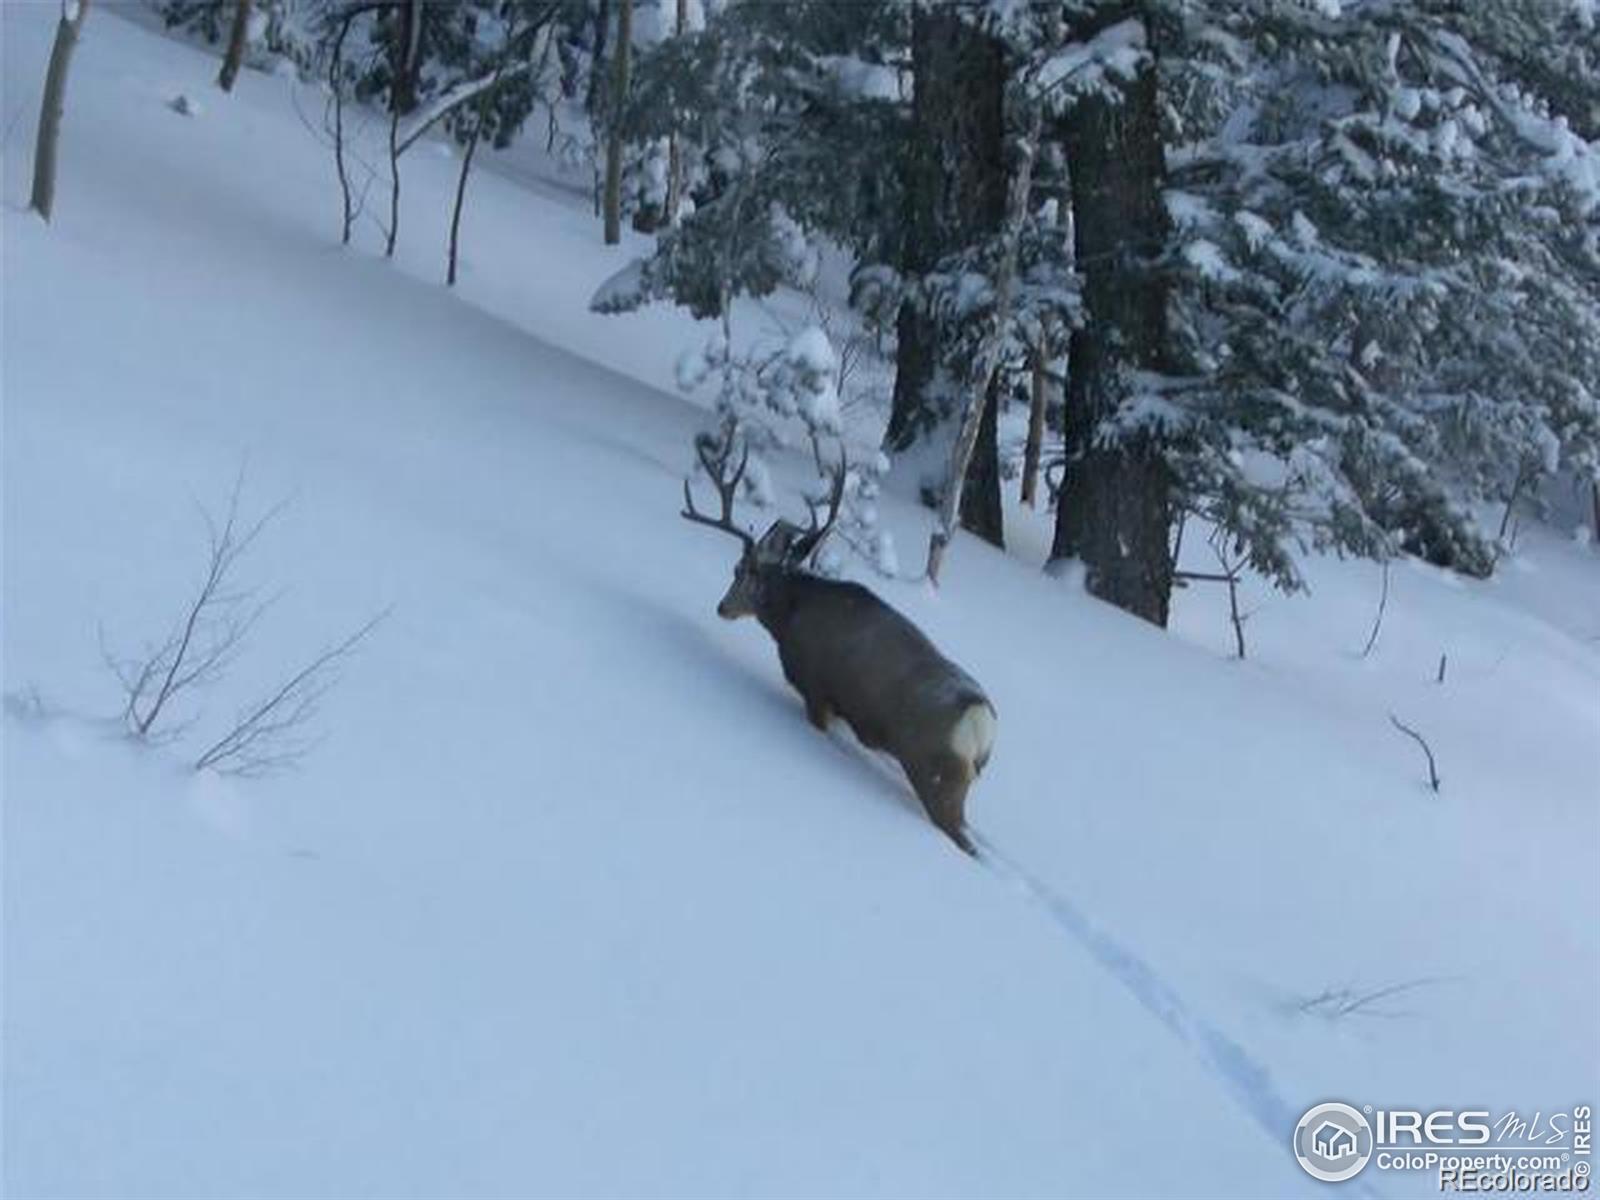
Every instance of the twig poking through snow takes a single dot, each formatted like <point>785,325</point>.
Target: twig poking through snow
<point>1377,621</point>
<point>1333,1003</point>
<point>1433,773</point>
<point>271,734</point>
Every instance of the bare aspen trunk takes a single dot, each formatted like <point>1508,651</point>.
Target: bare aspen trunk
<point>1034,446</point>
<point>621,65</point>
<point>234,58</point>
<point>51,107</point>
<point>987,365</point>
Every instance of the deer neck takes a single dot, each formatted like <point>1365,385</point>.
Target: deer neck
<point>779,588</point>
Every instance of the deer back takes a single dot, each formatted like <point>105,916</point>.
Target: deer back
<point>845,649</point>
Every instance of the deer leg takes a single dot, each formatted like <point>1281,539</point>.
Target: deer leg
<point>818,713</point>
<point>942,788</point>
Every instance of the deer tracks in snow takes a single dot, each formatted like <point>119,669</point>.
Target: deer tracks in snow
<point>1239,1073</point>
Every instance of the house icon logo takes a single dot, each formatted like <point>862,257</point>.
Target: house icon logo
<point>1333,1142</point>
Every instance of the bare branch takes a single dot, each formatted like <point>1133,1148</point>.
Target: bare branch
<point>1377,621</point>
<point>1229,575</point>
<point>273,734</point>
<point>206,637</point>
<point>1335,1003</point>
<point>1433,773</point>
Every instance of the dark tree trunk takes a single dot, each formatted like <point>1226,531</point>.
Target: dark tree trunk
<point>480,120</point>
<point>403,57</point>
<point>461,197</point>
<point>916,354</point>
<point>621,65</point>
<point>1116,506</point>
<point>674,151</point>
<point>980,496</point>
<point>1034,447</point>
<point>336,84</point>
<point>956,194</point>
<point>392,235</point>
<point>234,58</point>
<point>595,99</point>
<point>51,107</point>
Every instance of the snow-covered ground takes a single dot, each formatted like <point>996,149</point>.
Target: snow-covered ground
<point>572,900</point>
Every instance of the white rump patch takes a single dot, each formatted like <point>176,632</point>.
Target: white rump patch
<point>973,735</point>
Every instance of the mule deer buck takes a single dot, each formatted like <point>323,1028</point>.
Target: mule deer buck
<point>849,654</point>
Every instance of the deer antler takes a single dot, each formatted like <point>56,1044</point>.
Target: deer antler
<point>715,458</point>
<point>812,537</point>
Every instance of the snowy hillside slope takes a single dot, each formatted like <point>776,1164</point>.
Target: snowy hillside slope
<point>572,901</point>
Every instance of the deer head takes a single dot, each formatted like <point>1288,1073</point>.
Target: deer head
<point>784,548</point>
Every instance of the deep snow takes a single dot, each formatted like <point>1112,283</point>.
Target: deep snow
<point>572,900</point>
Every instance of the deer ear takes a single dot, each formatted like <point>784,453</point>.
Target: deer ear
<point>777,542</point>
<point>801,547</point>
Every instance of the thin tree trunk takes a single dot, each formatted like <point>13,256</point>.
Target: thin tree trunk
<point>480,119</point>
<point>1116,507</point>
<point>1511,504</point>
<point>461,194</point>
<point>234,58</point>
<point>336,84</point>
<point>674,179</point>
<point>987,366</point>
<point>622,63</point>
<point>674,150</point>
<point>594,99</point>
<point>982,512</point>
<point>394,180</point>
<point>404,47</point>
<point>53,105</point>
<point>1034,447</point>
<point>915,359</point>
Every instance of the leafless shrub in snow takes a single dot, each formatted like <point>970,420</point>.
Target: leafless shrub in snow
<point>204,641</point>
<point>205,638</point>
<point>1230,574</point>
<point>275,732</point>
<point>27,704</point>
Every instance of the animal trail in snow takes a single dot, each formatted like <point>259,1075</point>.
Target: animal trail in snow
<point>1246,1079</point>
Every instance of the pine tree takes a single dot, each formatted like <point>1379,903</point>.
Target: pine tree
<point>1385,275</point>
<point>1116,507</point>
